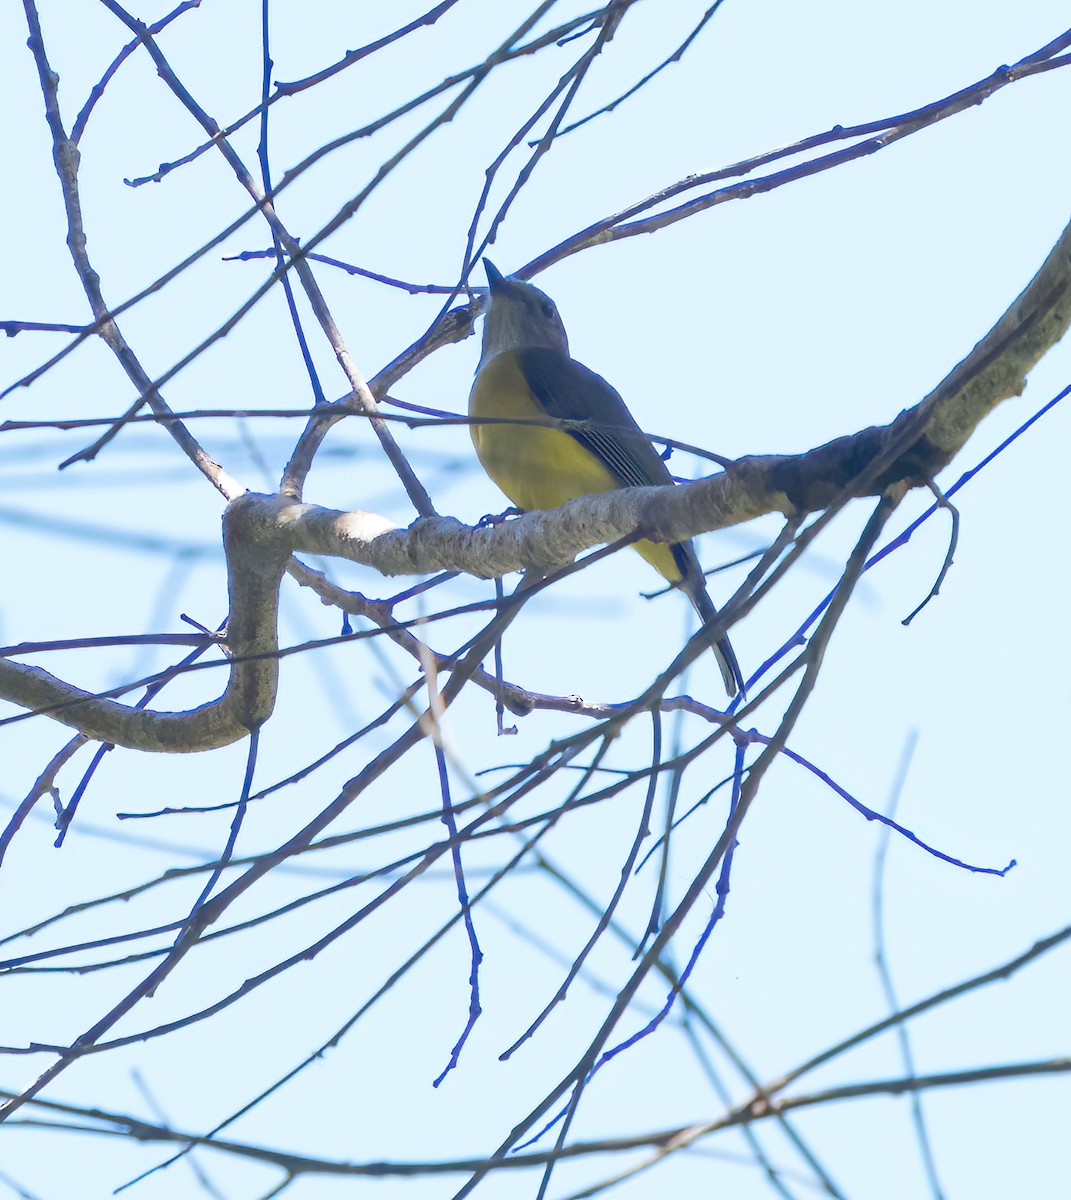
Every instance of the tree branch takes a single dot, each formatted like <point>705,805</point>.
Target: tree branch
<point>255,570</point>
<point>260,532</point>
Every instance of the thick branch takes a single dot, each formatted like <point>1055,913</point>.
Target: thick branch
<point>260,532</point>
<point>909,451</point>
<point>926,438</point>
<point>255,566</point>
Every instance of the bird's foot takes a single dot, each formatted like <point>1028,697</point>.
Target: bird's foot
<point>489,520</point>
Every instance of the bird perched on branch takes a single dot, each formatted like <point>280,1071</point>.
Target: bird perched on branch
<point>526,371</point>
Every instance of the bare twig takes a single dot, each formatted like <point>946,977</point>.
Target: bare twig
<point>66,157</point>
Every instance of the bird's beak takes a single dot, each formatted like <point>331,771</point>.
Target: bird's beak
<point>494,276</point>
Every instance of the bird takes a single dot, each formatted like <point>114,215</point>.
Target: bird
<point>526,371</point>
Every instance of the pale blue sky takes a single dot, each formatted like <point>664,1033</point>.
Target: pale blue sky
<point>769,325</point>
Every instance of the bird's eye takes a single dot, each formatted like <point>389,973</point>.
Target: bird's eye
<point>548,310</point>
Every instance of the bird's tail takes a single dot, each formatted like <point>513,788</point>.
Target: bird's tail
<point>693,584</point>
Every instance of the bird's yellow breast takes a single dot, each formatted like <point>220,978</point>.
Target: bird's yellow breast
<point>537,467</point>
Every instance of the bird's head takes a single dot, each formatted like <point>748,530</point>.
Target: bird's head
<point>519,316</point>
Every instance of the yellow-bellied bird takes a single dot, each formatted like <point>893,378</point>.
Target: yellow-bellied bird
<point>526,371</point>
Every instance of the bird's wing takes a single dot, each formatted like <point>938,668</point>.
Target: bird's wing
<point>570,391</point>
